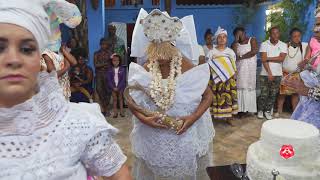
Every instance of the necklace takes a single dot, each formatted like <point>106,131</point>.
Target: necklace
<point>297,50</point>
<point>163,93</point>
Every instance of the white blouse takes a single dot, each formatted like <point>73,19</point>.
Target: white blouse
<point>116,76</point>
<point>48,138</point>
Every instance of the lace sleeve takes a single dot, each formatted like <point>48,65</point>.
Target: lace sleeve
<point>103,156</point>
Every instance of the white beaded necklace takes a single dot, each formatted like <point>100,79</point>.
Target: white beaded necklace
<point>164,96</point>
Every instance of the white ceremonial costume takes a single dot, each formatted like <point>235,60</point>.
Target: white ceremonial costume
<point>48,138</point>
<point>161,154</point>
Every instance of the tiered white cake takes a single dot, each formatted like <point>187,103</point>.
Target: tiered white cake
<point>264,155</point>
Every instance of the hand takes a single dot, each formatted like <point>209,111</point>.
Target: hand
<point>270,77</point>
<point>153,122</point>
<point>303,64</point>
<point>187,123</point>
<point>115,89</point>
<point>297,85</point>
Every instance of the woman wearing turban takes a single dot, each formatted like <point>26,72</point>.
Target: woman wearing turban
<point>42,135</point>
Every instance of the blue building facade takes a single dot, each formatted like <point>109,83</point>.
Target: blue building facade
<point>206,16</point>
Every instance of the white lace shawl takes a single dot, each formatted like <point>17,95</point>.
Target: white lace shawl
<point>164,152</point>
<point>49,138</point>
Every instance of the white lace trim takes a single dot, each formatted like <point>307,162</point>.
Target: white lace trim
<point>39,111</point>
<point>166,153</point>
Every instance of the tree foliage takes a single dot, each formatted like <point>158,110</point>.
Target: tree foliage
<point>288,14</point>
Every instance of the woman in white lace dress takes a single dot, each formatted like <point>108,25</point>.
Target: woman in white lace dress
<point>42,135</point>
<point>175,90</point>
<point>246,49</point>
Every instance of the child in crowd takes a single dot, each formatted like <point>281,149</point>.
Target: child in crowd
<point>116,79</point>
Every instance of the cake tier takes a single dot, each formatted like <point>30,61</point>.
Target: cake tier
<point>259,166</point>
<point>303,137</point>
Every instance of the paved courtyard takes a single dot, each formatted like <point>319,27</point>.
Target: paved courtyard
<point>230,143</point>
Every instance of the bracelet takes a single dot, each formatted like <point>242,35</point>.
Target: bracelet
<point>314,93</point>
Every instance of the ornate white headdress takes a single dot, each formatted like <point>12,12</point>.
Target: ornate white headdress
<point>185,40</point>
<point>159,27</point>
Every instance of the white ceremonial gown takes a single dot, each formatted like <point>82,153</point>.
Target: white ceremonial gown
<point>161,154</point>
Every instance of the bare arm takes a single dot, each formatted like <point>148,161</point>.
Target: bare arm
<point>202,60</point>
<point>308,53</point>
<point>265,63</point>
<point>253,52</point>
<point>205,103</point>
<point>278,59</point>
<point>122,174</point>
<point>65,68</point>
<point>67,55</point>
<point>95,59</point>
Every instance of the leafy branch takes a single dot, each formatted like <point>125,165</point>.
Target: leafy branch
<point>288,14</point>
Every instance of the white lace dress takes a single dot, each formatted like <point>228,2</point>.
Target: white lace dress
<point>246,80</point>
<point>48,138</point>
<point>161,154</point>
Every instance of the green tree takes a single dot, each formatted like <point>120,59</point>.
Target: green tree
<point>288,14</point>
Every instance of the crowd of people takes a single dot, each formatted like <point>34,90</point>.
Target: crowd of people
<point>237,93</point>
<point>45,136</point>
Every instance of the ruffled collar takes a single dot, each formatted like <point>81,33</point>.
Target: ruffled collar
<point>42,109</point>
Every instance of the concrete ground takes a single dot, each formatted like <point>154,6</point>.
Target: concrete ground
<point>230,142</point>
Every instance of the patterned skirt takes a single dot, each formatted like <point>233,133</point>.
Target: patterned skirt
<point>225,99</point>
<point>285,90</point>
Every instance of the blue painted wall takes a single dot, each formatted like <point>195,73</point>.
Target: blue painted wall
<point>205,17</point>
<point>96,28</point>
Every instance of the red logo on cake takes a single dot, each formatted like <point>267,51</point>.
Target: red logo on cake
<point>287,151</point>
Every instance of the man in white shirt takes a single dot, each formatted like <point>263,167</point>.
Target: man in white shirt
<point>273,53</point>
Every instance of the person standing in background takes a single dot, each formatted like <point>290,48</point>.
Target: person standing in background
<point>273,52</point>
<point>246,49</point>
<point>222,81</point>
<point>116,79</point>
<point>102,62</point>
<point>296,53</point>
<point>208,37</point>
<point>117,44</point>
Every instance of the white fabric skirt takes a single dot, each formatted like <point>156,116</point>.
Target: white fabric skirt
<point>247,100</point>
<point>142,172</point>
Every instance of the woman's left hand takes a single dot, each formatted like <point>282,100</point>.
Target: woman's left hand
<point>187,123</point>
<point>297,85</point>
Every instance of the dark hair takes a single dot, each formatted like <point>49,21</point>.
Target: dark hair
<point>208,32</point>
<point>273,28</point>
<point>238,29</point>
<point>295,30</point>
<point>102,40</point>
<point>120,59</point>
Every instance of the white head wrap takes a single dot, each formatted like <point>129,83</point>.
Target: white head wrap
<point>28,14</point>
<point>186,41</point>
<point>220,31</point>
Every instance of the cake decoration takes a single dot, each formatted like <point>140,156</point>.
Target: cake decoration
<point>287,151</point>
